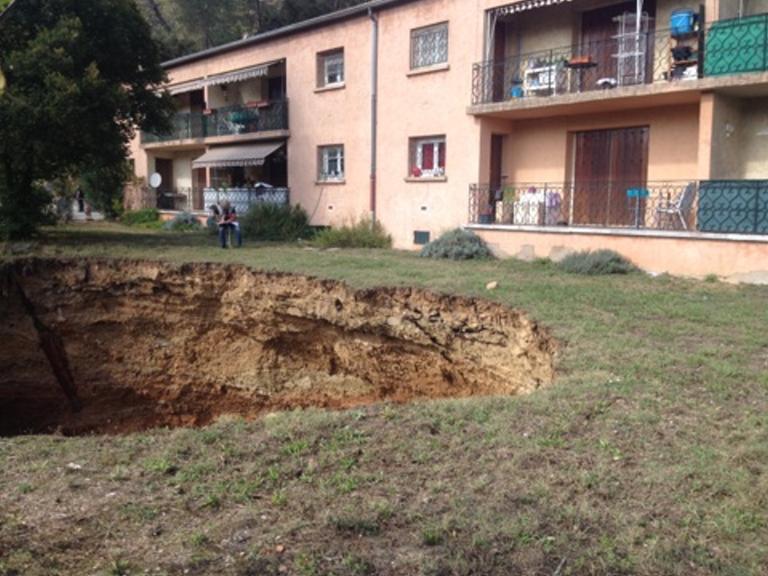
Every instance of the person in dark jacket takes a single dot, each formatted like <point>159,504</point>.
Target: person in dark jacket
<point>228,223</point>
<point>80,197</point>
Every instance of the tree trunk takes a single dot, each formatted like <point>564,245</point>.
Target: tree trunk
<point>155,7</point>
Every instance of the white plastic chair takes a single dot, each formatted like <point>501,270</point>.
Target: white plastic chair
<point>680,206</point>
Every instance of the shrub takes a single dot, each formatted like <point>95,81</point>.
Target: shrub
<point>21,214</point>
<point>103,187</point>
<point>183,222</point>
<point>596,263</point>
<point>275,223</point>
<point>146,218</point>
<point>457,244</point>
<point>212,225</point>
<point>363,234</point>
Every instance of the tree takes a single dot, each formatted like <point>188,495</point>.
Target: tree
<point>184,26</point>
<point>81,75</point>
<point>103,187</point>
<point>216,21</point>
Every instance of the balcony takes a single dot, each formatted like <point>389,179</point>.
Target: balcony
<point>713,206</point>
<point>199,199</point>
<point>244,198</point>
<point>658,61</point>
<point>630,60</point>
<point>229,121</point>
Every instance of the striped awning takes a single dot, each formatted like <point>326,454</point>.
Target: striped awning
<point>218,79</point>
<point>237,75</point>
<point>185,87</point>
<point>524,5</point>
<point>245,155</point>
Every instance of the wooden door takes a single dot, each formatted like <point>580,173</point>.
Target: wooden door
<point>502,74</point>
<point>607,163</point>
<point>199,180</point>
<point>598,29</point>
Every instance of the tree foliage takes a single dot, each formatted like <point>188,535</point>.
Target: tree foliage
<point>103,187</point>
<point>183,26</point>
<point>80,76</point>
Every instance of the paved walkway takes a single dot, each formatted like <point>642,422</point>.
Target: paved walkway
<point>80,216</point>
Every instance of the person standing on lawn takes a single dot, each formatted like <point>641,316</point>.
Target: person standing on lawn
<point>80,197</point>
<point>227,223</point>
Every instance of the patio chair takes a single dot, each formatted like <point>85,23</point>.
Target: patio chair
<point>680,206</point>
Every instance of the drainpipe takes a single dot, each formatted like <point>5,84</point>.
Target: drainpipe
<point>374,104</point>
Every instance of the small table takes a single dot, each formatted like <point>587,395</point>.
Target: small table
<point>638,194</point>
<point>580,64</point>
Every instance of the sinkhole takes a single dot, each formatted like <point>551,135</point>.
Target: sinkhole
<point>118,346</point>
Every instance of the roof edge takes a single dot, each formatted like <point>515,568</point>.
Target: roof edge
<point>290,29</point>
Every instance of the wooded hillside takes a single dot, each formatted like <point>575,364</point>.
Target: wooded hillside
<point>184,26</point>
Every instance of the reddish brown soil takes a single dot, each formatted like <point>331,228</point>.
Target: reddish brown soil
<point>155,344</point>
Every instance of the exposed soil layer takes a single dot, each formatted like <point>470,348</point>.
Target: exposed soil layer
<point>156,344</point>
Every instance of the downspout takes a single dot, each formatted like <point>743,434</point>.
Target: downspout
<point>374,105</point>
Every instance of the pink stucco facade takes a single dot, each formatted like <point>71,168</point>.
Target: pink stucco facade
<point>694,127</point>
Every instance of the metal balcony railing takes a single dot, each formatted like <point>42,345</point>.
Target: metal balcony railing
<point>723,206</point>
<point>737,45</point>
<point>245,120</point>
<point>200,199</point>
<point>629,60</point>
<point>733,46</point>
<point>224,122</point>
<point>177,199</point>
<point>243,198</point>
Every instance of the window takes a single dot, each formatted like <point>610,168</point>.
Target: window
<point>420,237</point>
<point>427,157</point>
<point>330,68</point>
<point>429,46</point>
<point>330,163</point>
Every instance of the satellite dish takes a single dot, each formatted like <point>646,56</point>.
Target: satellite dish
<point>155,180</point>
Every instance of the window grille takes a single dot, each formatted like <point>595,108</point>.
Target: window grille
<point>429,46</point>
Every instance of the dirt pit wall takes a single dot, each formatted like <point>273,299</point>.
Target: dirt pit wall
<point>156,344</point>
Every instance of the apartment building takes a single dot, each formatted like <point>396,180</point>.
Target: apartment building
<point>543,125</point>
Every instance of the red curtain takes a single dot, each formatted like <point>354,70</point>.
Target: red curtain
<point>427,157</point>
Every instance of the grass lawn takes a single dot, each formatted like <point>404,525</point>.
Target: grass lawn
<point>649,455</point>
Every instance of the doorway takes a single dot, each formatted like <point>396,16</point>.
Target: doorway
<point>607,163</point>
<point>497,156</point>
<point>496,179</point>
<point>610,54</point>
<point>199,183</point>
<point>164,167</point>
